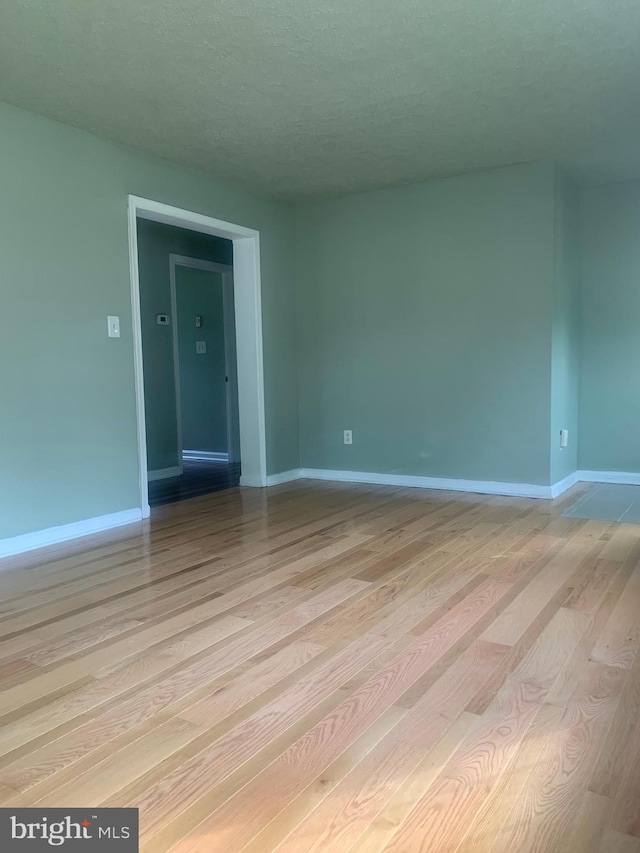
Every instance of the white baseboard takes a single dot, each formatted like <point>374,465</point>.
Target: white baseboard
<point>272,479</point>
<point>253,482</point>
<point>484,487</point>
<point>621,478</point>
<point>163,473</point>
<point>562,485</point>
<point>53,535</point>
<point>205,456</point>
<point>283,477</point>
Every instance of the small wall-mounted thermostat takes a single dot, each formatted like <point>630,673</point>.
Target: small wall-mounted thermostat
<point>162,319</point>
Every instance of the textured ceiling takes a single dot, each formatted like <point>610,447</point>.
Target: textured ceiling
<point>304,98</point>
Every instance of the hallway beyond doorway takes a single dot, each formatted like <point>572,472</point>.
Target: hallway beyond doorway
<point>198,478</point>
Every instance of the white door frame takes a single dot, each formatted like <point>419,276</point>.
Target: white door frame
<point>226,272</point>
<point>248,316</point>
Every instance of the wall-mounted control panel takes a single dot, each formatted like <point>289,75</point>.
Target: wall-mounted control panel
<point>163,319</point>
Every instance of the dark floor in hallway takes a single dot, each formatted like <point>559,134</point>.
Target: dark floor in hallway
<point>198,478</point>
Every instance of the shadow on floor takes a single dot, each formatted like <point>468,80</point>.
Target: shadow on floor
<point>607,502</point>
<point>198,478</point>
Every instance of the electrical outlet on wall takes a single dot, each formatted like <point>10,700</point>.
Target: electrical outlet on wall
<point>348,436</point>
<point>564,438</point>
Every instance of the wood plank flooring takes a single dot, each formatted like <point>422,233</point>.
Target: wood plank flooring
<point>332,668</point>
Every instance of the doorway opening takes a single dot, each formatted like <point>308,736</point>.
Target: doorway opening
<point>203,337</point>
<point>206,335</point>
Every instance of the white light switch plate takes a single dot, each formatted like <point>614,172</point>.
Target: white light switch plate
<point>201,347</point>
<point>113,327</point>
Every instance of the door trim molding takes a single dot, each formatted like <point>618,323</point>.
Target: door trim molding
<point>248,317</point>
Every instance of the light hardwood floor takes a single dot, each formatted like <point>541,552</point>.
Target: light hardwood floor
<point>333,668</point>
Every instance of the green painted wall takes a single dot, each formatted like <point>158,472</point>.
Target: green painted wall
<point>610,367</point>
<point>565,329</point>
<point>203,388</point>
<point>68,430</point>
<point>440,322</point>
<point>424,325</point>
<point>155,243</point>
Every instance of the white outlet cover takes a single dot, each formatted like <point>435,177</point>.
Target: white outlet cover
<point>201,347</point>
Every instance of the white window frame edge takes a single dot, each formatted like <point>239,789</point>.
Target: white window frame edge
<point>248,317</point>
